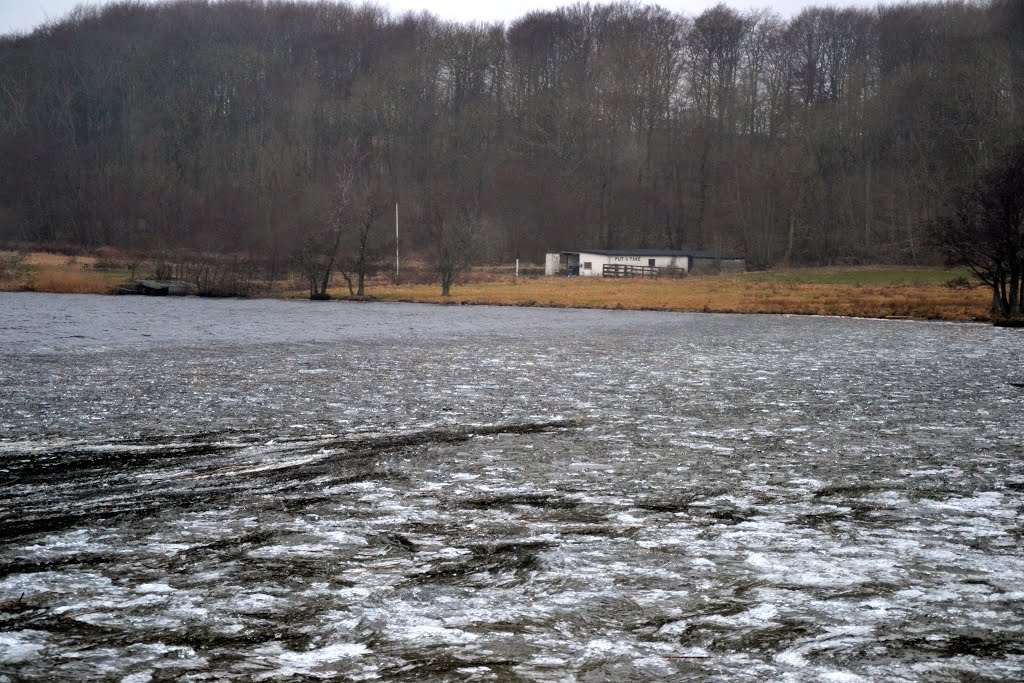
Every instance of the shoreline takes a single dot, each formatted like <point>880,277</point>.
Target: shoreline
<point>720,294</point>
<point>374,300</point>
<point>878,302</point>
<point>871,292</point>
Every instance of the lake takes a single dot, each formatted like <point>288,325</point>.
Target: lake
<point>197,489</point>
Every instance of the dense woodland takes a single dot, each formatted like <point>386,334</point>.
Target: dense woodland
<point>834,136</point>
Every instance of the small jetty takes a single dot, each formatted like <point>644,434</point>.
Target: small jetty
<point>158,288</point>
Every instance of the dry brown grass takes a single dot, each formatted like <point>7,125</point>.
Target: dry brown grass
<point>723,294</point>
<point>45,259</point>
<point>71,281</point>
<point>842,292</point>
<point>55,273</point>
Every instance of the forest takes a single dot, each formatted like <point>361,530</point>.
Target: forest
<point>831,137</point>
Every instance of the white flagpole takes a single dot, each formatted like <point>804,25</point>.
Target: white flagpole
<point>396,240</point>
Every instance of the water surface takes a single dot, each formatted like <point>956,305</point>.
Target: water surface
<point>196,489</point>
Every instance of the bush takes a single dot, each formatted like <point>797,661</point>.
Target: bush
<point>959,283</point>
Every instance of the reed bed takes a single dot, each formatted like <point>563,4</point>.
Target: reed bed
<point>71,281</point>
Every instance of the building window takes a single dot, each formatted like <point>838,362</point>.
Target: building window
<point>650,262</point>
<point>586,265</point>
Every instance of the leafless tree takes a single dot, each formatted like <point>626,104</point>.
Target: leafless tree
<point>456,243</point>
<point>357,253</point>
<point>319,253</point>
<point>985,232</point>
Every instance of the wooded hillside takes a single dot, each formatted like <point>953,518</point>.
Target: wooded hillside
<point>831,137</point>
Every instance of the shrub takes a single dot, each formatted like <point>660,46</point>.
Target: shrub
<point>959,283</point>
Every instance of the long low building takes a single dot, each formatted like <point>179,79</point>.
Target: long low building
<point>640,262</point>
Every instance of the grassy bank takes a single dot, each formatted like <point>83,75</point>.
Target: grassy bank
<point>925,296</point>
<point>57,273</point>
<point>871,292</point>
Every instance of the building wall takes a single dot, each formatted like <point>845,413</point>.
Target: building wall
<point>598,261</point>
<point>551,263</point>
<point>561,262</point>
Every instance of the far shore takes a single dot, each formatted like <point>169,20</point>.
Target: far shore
<point>884,292</point>
<point>717,294</point>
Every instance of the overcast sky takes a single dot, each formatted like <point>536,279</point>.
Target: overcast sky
<point>25,15</point>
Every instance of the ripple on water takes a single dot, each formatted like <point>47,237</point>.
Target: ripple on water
<point>257,490</point>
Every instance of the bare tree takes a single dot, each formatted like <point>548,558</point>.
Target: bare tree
<point>985,232</point>
<point>356,259</point>
<point>318,255</point>
<point>456,243</point>
<point>316,264</point>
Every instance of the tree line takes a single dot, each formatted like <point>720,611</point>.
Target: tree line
<point>239,126</point>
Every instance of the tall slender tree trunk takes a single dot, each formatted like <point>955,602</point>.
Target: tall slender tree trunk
<point>702,199</point>
<point>867,202</point>
<point>788,258</point>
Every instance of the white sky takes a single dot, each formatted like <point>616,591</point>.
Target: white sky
<point>19,16</point>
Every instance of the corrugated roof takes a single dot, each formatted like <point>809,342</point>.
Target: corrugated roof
<point>705,253</point>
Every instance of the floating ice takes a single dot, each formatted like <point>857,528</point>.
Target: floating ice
<point>736,497</point>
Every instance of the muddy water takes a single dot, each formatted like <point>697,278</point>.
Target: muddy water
<point>198,490</point>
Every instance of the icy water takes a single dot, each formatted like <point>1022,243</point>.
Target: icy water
<point>264,490</point>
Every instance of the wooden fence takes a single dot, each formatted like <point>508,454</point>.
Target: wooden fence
<point>625,270</point>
